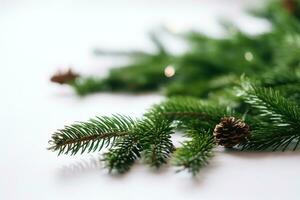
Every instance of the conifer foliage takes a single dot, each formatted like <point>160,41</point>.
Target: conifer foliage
<point>243,89</point>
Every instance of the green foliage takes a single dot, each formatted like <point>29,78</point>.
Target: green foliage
<point>280,119</point>
<point>143,73</point>
<point>274,122</point>
<point>279,77</point>
<point>186,108</point>
<point>210,65</point>
<point>155,133</point>
<point>194,154</point>
<point>148,138</point>
<point>268,100</point>
<point>273,106</point>
<point>280,15</point>
<point>90,136</point>
<point>285,80</point>
<point>88,85</point>
<point>123,155</point>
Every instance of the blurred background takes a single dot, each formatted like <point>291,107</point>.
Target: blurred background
<point>37,38</point>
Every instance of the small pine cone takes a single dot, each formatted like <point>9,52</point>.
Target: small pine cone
<point>230,132</point>
<point>64,77</point>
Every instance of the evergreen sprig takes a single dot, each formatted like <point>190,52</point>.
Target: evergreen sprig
<point>148,138</point>
<point>280,120</point>
<point>90,136</point>
<point>276,126</point>
<point>200,70</point>
<point>187,109</point>
<point>268,100</point>
<point>195,154</point>
<point>123,155</point>
<point>273,107</point>
<point>155,134</point>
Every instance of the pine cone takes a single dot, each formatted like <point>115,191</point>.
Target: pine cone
<point>64,77</point>
<point>230,132</point>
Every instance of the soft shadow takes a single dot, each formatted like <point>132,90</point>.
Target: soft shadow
<point>84,167</point>
<point>80,167</point>
<point>205,172</point>
<point>160,170</point>
<point>192,183</point>
<point>250,154</point>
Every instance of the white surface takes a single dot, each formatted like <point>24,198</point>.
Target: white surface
<point>37,37</point>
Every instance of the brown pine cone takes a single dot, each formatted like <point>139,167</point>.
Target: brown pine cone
<point>64,77</point>
<point>230,132</point>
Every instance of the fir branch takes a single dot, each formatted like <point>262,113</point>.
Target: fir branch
<point>274,118</point>
<point>90,136</point>
<point>198,72</point>
<point>192,112</point>
<point>270,138</point>
<point>155,132</point>
<point>291,91</point>
<point>88,85</point>
<point>121,157</point>
<point>272,105</point>
<point>195,154</point>
<point>280,117</point>
<point>151,136</point>
<point>279,77</point>
<point>284,79</point>
<point>185,108</point>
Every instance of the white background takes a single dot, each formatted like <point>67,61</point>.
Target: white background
<point>38,37</point>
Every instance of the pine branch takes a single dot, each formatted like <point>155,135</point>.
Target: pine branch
<point>280,120</point>
<point>273,106</point>
<point>121,157</point>
<point>197,66</point>
<point>270,138</point>
<point>151,137</point>
<point>181,108</point>
<point>155,132</point>
<point>89,85</point>
<point>90,136</point>
<point>279,77</point>
<point>192,112</point>
<point>195,154</point>
<point>282,14</point>
<point>291,91</point>
<point>284,79</point>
